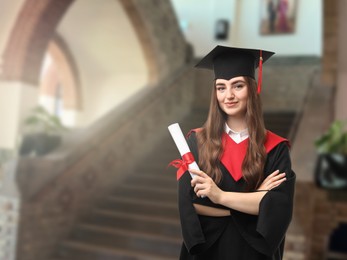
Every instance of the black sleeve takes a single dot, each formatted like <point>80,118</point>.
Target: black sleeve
<point>276,207</point>
<point>266,231</point>
<point>199,232</point>
<point>192,232</point>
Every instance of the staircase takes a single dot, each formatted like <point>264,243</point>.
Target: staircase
<point>281,123</point>
<point>139,219</point>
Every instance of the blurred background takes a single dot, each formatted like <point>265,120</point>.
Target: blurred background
<point>88,88</point>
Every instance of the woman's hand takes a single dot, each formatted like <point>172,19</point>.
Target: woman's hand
<point>205,186</point>
<point>272,181</point>
<point>247,202</point>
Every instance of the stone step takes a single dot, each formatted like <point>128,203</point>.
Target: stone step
<point>140,207</point>
<point>172,188</point>
<point>273,117</point>
<point>288,255</point>
<point>150,171</point>
<point>295,246</point>
<point>124,239</point>
<point>336,256</point>
<point>158,165</point>
<point>297,238</point>
<point>75,250</point>
<point>168,175</point>
<point>146,192</point>
<point>161,157</point>
<point>153,162</point>
<point>155,225</point>
<point>279,115</point>
<point>152,179</point>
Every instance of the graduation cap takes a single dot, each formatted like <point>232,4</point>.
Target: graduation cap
<point>230,62</point>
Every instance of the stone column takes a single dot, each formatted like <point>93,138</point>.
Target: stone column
<point>16,99</point>
<point>341,89</point>
<point>9,211</point>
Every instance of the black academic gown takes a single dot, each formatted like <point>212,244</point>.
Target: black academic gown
<point>239,236</point>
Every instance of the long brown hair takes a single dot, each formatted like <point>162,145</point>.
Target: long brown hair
<point>210,139</point>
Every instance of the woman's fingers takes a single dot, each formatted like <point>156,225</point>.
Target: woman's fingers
<point>196,180</point>
<point>272,175</point>
<point>278,177</point>
<point>273,180</point>
<point>277,183</point>
<point>199,177</point>
<point>202,183</point>
<point>199,187</point>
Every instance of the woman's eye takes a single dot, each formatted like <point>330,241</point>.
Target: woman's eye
<point>220,88</point>
<point>238,86</point>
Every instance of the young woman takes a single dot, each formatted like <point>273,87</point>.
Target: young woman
<point>240,204</point>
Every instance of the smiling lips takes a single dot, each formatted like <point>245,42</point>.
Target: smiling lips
<point>230,104</point>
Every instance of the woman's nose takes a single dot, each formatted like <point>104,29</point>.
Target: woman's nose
<point>230,93</point>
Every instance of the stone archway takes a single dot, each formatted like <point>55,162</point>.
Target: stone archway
<point>144,38</point>
<point>35,27</point>
<point>27,44</point>
<point>60,88</point>
<point>60,52</point>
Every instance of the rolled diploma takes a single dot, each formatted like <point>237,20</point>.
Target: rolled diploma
<point>181,144</point>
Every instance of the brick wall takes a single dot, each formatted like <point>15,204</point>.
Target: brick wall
<point>329,210</point>
<point>316,214</point>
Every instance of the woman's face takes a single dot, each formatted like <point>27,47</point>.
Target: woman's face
<point>232,96</point>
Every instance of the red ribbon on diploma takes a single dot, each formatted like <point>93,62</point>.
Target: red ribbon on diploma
<point>182,165</point>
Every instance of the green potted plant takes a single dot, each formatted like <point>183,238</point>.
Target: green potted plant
<point>331,165</point>
<point>42,132</point>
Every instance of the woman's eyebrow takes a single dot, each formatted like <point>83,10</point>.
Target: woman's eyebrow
<point>234,83</point>
<point>239,81</point>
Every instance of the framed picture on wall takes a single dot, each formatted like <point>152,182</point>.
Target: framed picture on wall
<point>278,16</point>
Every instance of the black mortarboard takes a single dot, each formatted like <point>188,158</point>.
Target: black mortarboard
<point>229,62</point>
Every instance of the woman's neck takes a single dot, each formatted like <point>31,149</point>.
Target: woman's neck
<point>237,124</point>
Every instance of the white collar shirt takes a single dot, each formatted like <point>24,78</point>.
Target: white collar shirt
<point>238,137</point>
